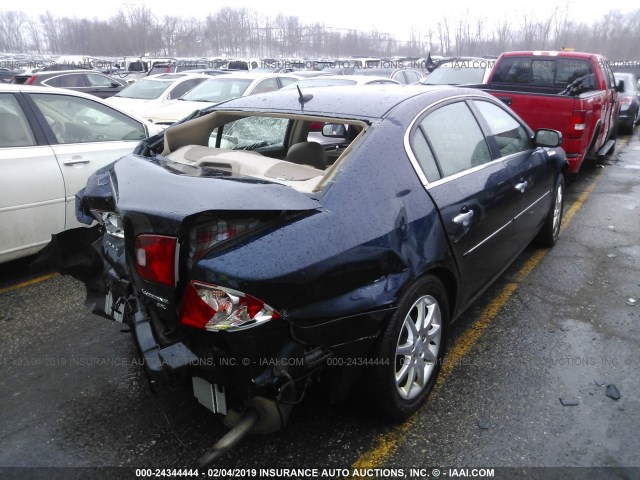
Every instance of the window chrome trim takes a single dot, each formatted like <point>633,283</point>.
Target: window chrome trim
<point>463,173</point>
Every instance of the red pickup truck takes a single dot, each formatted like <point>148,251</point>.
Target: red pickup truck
<point>574,93</point>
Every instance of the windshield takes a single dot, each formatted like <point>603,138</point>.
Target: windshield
<point>455,75</point>
<point>145,89</point>
<point>218,89</point>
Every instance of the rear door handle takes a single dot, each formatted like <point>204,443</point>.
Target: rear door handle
<point>522,186</point>
<point>77,161</point>
<point>463,218</point>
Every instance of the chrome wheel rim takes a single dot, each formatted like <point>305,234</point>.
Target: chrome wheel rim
<point>418,347</point>
<point>557,211</point>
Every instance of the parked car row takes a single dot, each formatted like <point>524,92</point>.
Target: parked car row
<point>151,92</point>
<point>216,90</point>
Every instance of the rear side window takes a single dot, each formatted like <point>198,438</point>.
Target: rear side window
<point>268,85</point>
<point>423,154</point>
<point>458,143</point>
<point>399,77</point>
<point>509,136</point>
<point>287,81</point>
<point>412,76</point>
<point>71,81</point>
<point>184,87</point>
<point>96,80</point>
<point>53,82</point>
<point>80,120</point>
<point>14,128</point>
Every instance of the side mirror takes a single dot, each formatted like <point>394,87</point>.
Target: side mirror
<point>548,138</point>
<point>115,84</point>
<point>334,130</point>
<point>620,86</point>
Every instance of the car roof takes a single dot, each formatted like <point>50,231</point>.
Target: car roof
<point>55,73</point>
<point>17,87</point>
<point>247,74</point>
<point>371,101</point>
<point>204,70</point>
<point>364,78</point>
<point>552,54</point>
<point>174,76</point>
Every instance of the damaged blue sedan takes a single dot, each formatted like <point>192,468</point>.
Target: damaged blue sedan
<point>251,262</point>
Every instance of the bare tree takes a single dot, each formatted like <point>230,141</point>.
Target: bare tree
<point>12,38</point>
<point>444,36</point>
<point>503,36</point>
<point>134,30</point>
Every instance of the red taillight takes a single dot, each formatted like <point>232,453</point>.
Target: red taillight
<point>31,80</point>
<point>205,236</point>
<point>156,258</point>
<point>625,100</point>
<point>578,123</point>
<point>214,308</point>
<point>316,126</point>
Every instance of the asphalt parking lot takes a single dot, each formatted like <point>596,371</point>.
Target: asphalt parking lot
<point>530,379</point>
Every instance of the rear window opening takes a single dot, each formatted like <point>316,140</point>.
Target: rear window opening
<point>298,151</point>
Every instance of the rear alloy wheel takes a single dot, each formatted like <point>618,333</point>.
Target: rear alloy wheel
<point>550,232</point>
<point>411,350</point>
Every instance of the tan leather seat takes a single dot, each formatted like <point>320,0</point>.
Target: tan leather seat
<point>308,153</point>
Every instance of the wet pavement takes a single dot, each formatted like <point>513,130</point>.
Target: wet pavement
<point>71,393</point>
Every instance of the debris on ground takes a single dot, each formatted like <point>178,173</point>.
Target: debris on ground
<point>612,392</point>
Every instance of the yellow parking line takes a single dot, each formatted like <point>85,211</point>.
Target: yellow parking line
<point>27,283</point>
<point>387,443</point>
<point>568,215</point>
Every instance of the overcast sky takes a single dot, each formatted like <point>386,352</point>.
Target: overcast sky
<point>397,18</point>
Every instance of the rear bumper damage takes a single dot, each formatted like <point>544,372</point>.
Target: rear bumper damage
<point>265,369</point>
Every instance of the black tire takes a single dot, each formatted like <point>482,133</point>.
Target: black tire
<point>548,235</point>
<point>398,399</point>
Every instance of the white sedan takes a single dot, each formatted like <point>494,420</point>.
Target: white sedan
<point>51,141</point>
<point>216,90</point>
<point>155,90</point>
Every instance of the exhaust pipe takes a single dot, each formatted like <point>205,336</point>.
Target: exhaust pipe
<point>231,438</point>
